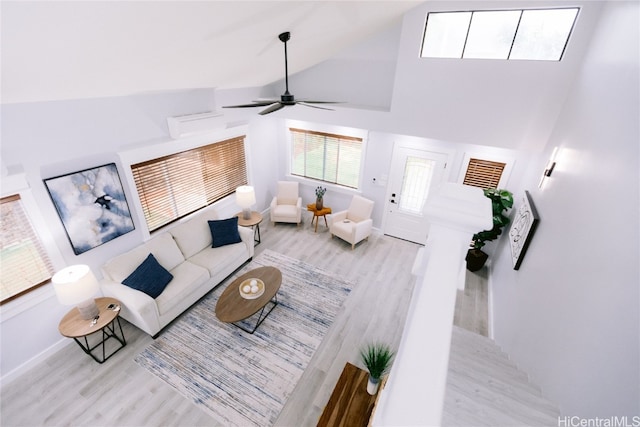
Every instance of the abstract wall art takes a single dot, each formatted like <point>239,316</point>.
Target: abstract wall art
<point>523,226</point>
<point>92,206</point>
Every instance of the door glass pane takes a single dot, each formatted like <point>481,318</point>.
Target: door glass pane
<point>415,184</point>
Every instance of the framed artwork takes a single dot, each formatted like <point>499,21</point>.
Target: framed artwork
<point>91,205</point>
<point>523,226</point>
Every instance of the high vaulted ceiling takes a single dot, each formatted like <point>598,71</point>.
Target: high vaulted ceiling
<point>54,50</point>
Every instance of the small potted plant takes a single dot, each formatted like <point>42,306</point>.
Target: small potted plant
<point>501,201</point>
<point>377,358</point>
<point>319,195</point>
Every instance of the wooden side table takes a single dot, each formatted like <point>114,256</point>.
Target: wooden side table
<point>253,222</point>
<point>74,326</point>
<point>311,207</point>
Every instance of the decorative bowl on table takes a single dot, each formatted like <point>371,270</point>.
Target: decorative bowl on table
<point>251,288</point>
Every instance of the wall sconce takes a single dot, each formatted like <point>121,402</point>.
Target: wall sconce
<point>548,170</point>
<point>245,197</point>
<point>76,285</point>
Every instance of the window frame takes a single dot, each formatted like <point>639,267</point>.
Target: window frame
<point>149,152</point>
<point>178,162</point>
<point>328,129</point>
<point>515,34</point>
<point>17,184</point>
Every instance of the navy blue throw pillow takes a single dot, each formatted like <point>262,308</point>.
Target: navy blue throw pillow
<point>224,232</point>
<point>150,277</point>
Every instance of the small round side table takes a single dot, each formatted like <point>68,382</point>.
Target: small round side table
<point>254,221</point>
<point>326,210</point>
<point>74,326</point>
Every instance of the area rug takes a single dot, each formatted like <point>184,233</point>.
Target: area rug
<point>243,379</point>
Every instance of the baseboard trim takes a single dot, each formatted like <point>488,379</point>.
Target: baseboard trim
<point>31,363</point>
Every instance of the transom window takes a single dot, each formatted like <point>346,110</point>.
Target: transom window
<point>174,186</point>
<point>535,34</point>
<point>24,263</point>
<point>326,157</point>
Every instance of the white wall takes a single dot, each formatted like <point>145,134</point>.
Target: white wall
<point>511,104</point>
<point>569,316</point>
<point>53,138</point>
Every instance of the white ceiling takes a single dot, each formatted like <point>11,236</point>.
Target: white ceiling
<point>84,49</point>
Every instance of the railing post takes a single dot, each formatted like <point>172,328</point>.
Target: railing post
<point>414,393</point>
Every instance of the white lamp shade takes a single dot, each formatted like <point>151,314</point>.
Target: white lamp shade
<point>75,284</point>
<point>245,196</point>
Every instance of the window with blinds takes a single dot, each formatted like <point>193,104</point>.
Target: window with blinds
<point>483,173</point>
<point>326,157</point>
<point>24,264</point>
<point>174,186</point>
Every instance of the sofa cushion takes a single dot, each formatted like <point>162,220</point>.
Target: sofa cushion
<point>194,235</point>
<point>150,277</point>
<point>163,248</point>
<point>289,211</point>
<point>218,259</point>
<point>187,278</point>
<point>224,232</point>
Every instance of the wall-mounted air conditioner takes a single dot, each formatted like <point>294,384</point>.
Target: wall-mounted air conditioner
<point>180,126</point>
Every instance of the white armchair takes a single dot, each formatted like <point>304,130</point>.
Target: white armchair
<point>287,205</point>
<point>354,224</point>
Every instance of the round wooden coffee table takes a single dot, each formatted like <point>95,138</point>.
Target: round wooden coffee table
<point>232,307</point>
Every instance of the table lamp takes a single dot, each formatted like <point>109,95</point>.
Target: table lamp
<point>76,285</point>
<point>245,197</point>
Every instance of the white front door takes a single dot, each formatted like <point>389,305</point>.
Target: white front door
<point>413,172</point>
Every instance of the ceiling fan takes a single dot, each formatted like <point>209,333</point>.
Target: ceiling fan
<point>286,98</point>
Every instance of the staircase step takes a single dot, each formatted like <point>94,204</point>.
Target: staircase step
<point>484,387</point>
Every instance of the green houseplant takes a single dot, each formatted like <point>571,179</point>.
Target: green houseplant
<point>377,358</point>
<point>501,202</point>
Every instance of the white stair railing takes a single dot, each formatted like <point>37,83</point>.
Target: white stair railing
<point>414,393</point>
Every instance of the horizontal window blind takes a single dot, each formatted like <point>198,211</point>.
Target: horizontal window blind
<point>483,173</point>
<point>24,263</point>
<point>326,157</point>
<point>173,186</point>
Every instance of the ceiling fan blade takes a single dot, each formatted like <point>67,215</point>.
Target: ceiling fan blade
<point>320,102</point>
<point>274,107</point>
<point>254,104</point>
<point>314,106</point>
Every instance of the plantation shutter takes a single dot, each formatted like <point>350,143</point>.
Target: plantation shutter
<point>24,263</point>
<point>326,157</point>
<point>483,173</point>
<point>174,186</point>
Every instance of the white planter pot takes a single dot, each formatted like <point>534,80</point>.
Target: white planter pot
<point>372,385</point>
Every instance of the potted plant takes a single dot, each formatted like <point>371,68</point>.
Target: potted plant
<point>377,358</point>
<point>319,195</point>
<point>501,201</point>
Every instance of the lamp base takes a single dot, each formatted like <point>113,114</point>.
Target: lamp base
<point>88,309</point>
<point>246,213</point>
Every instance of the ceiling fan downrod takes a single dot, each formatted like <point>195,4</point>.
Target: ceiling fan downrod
<point>286,98</point>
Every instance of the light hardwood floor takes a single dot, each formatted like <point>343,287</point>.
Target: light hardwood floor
<point>69,388</point>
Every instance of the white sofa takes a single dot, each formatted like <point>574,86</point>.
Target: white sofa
<point>185,251</point>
